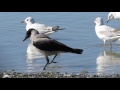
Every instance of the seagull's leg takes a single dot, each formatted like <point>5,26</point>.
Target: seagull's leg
<point>46,63</point>
<point>110,45</point>
<point>104,43</point>
<point>53,59</point>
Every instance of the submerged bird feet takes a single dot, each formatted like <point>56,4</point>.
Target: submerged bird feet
<point>52,62</point>
<point>43,68</point>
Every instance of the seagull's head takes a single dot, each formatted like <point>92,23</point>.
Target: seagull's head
<point>110,16</point>
<point>98,21</point>
<point>28,20</point>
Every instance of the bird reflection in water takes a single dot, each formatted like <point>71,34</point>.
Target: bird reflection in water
<point>32,53</point>
<point>31,56</point>
<point>108,62</point>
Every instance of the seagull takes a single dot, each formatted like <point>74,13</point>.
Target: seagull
<point>41,28</point>
<point>113,15</point>
<point>106,33</point>
<point>48,46</point>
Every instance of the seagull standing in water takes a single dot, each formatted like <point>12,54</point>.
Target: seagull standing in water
<point>41,28</point>
<point>106,33</point>
<point>113,15</point>
<point>48,46</point>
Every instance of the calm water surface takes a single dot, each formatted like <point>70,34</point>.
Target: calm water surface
<point>79,33</point>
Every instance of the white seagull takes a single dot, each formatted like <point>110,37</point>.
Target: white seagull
<point>113,15</point>
<point>41,28</point>
<point>106,33</point>
<point>48,46</point>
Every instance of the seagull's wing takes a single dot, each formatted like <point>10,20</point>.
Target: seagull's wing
<point>108,31</point>
<point>41,28</point>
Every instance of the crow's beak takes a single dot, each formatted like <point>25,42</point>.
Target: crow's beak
<point>27,36</point>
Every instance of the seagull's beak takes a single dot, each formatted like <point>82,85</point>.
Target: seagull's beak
<point>93,21</point>
<point>22,21</point>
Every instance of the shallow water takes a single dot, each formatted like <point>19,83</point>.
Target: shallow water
<point>79,33</point>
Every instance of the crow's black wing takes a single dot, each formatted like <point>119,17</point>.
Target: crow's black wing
<point>48,44</point>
